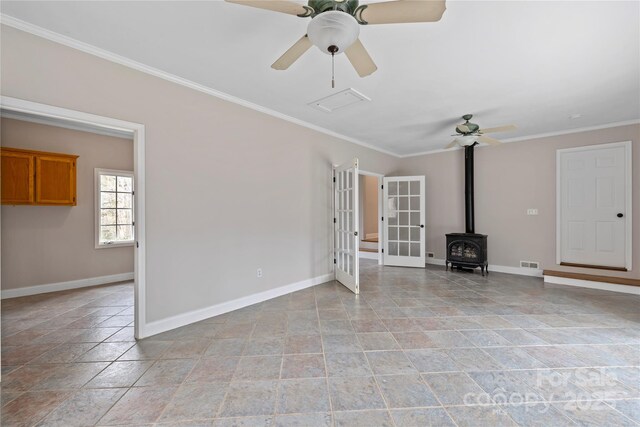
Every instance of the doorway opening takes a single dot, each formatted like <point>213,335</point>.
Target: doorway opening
<point>131,221</point>
<point>370,203</point>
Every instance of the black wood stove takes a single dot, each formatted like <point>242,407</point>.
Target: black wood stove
<point>467,250</point>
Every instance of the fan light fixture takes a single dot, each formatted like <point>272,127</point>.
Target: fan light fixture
<point>333,32</point>
<point>466,140</point>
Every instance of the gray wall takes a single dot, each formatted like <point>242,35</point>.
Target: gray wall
<point>50,244</point>
<point>229,189</point>
<point>509,179</point>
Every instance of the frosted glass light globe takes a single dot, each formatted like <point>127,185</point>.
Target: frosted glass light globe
<point>466,140</point>
<point>333,28</point>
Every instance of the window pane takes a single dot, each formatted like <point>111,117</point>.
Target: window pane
<point>107,234</point>
<point>125,232</point>
<point>124,216</point>
<point>393,233</point>
<point>403,249</point>
<point>415,203</point>
<point>415,249</point>
<point>124,200</point>
<point>393,188</point>
<point>107,216</point>
<point>415,234</point>
<point>125,184</point>
<point>107,200</point>
<point>403,234</point>
<point>403,203</point>
<point>415,218</point>
<point>415,187</point>
<point>393,248</point>
<point>107,183</point>
<point>403,188</point>
<point>403,218</point>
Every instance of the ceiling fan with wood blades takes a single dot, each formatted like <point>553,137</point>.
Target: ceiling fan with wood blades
<point>469,133</point>
<point>335,25</point>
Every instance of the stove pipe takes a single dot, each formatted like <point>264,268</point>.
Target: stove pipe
<point>468,189</point>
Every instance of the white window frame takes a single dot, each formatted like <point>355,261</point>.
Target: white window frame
<point>97,207</point>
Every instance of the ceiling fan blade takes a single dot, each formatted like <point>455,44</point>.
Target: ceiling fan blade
<point>292,54</point>
<point>402,11</point>
<point>463,128</point>
<point>452,144</point>
<point>489,140</point>
<point>288,7</point>
<point>360,59</point>
<point>506,128</point>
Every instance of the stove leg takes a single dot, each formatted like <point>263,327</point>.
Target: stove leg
<point>482,270</point>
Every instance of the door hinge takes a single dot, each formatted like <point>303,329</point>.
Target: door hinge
<point>133,193</point>
<point>137,244</point>
<point>382,187</point>
<point>334,261</point>
<point>334,220</point>
<point>382,219</point>
<point>334,179</point>
<point>382,250</point>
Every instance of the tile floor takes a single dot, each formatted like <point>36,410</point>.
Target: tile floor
<point>416,348</point>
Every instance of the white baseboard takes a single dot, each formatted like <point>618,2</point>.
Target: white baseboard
<point>368,255</point>
<point>193,316</point>
<point>613,287</point>
<point>63,286</point>
<point>533,272</point>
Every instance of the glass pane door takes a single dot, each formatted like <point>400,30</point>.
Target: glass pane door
<point>404,218</point>
<point>346,218</point>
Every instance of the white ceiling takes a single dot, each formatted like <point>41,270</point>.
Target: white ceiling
<point>529,63</point>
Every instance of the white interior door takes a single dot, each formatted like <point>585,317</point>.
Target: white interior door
<point>346,224</point>
<point>594,206</point>
<point>404,219</point>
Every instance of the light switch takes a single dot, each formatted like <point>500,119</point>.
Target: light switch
<point>532,211</point>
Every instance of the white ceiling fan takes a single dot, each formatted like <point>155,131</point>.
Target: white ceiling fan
<point>469,133</point>
<point>335,25</point>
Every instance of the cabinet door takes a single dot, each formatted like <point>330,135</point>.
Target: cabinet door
<point>17,178</point>
<point>55,180</point>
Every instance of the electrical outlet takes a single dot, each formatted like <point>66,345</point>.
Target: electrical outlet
<point>259,273</point>
<point>532,211</point>
<point>430,254</point>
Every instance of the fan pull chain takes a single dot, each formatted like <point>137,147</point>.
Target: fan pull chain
<point>333,49</point>
<point>333,70</point>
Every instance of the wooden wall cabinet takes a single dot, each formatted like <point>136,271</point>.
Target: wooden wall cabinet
<point>38,178</point>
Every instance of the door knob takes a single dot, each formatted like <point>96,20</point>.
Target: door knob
<point>421,225</point>
<point>620,215</point>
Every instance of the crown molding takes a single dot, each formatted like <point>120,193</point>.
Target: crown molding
<point>118,59</point>
<point>535,136</point>
<point>110,56</point>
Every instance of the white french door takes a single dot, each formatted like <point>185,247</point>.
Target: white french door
<point>404,219</point>
<point>346,225</point>
<point>594,206</point>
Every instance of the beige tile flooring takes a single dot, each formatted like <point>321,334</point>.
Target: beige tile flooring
<point>416,348</point>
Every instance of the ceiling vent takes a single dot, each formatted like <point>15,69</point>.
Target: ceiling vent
<point>339,100</point>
